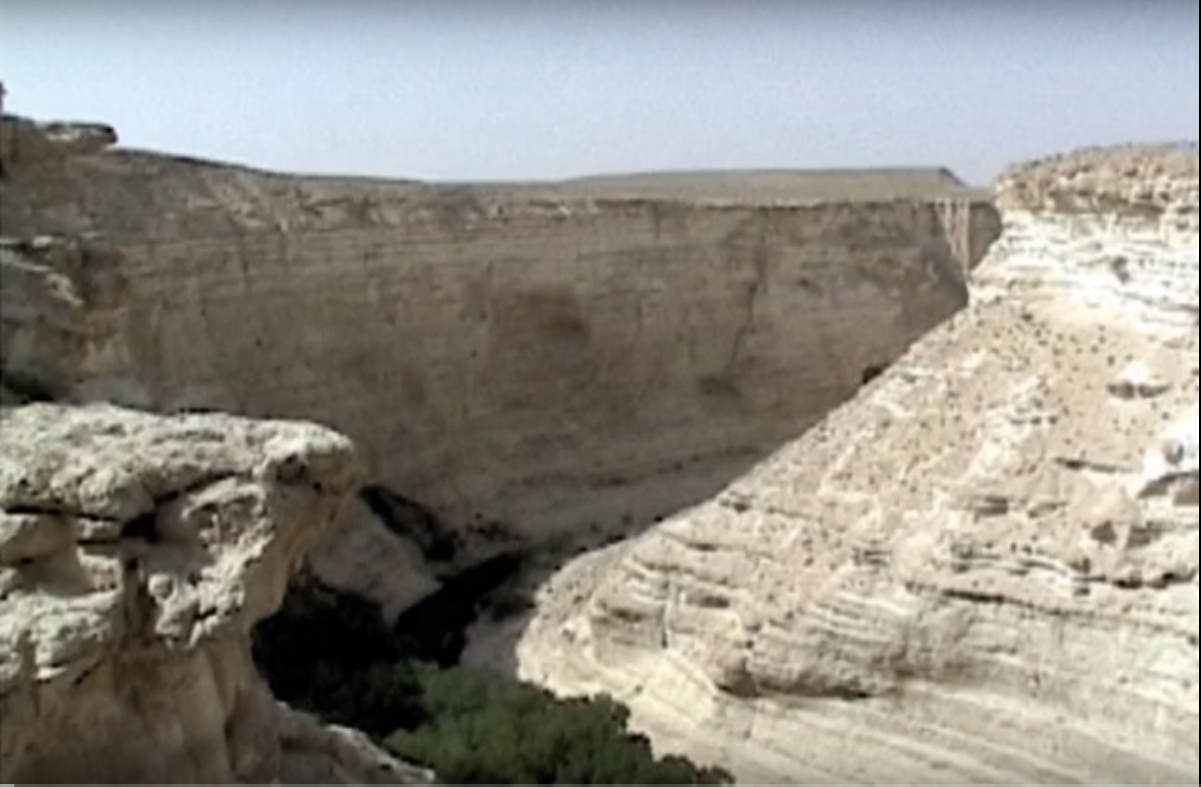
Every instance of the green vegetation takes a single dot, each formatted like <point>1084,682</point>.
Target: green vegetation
<point>331,654</point>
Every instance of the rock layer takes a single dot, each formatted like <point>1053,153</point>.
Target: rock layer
<point>549,357</point>
<point>136,552</point>
<point>983,569</point>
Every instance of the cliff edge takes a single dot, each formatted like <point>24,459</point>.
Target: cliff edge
<point>982,569</point>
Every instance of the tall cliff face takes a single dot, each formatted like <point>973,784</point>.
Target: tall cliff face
<point>548,357</point>
<point>983,569</point>
<point>136,552</point>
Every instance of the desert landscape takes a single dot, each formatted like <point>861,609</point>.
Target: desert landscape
<point>842,476</point>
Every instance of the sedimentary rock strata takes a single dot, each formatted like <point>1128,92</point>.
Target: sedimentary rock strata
<point>983,569</point>
<point>551,358</point>
<point>136,552</point>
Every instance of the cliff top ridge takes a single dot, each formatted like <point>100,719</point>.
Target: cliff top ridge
<point>24,141</point>
<point>1142,178</point>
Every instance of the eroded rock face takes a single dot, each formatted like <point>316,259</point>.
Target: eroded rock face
<point>43,331</point>
<point>981,570</point>
<point>552,358</point>
<point>136,552</point>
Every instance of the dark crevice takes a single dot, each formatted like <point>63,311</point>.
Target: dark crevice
<point>196,410</point>
<point>871,373</point>
<point>409,519</point>
<point>143,527</point>
<point>1078,464</point>
<point>29,509</point>
<point>1167,483</point>
<point>85,674</point>
<point>51,509</point>
<point>434,629</point>
<point>26,386</point>
<point>1172,578</point>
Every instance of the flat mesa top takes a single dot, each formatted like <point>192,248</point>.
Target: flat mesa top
<point>750,185</point>
<point>729,187</point>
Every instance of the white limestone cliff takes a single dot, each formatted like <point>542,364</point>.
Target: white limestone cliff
<point>977,571</point>
<point>136,553</point>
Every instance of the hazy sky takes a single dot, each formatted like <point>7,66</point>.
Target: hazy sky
<point>518,90</point>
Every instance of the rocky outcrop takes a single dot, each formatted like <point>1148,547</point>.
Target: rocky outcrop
<point>558,359</point>
<point>316,753</point>
<point>25,143</point>
<point>370,560</point>
<point>983,569</point>
<point>136,552</point>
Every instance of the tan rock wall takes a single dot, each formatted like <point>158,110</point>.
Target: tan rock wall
<point>547,359</point>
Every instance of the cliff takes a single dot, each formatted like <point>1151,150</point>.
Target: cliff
<point>983,568</point>
<point>136,553</point>
<point>556,358</point>
<point>546,360</point>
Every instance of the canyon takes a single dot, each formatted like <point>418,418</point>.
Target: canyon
<point>982,569</point>
<point>868,476</point>
<point>548,357</point>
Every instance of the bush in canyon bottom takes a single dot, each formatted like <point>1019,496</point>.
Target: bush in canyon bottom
<point>331,654</point>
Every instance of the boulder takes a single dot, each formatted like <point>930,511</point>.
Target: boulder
<point>136,553</point>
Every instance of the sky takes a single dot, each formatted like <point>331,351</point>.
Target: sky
<point>534,89</point>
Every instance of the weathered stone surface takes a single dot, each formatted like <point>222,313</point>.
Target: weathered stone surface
<point>1135,181</point>
<point>374,563</point>
<point>547,357</point>
<point>42,332</point>
<point>136,552</point>
<point>981,570</point>
<point>315,753</point>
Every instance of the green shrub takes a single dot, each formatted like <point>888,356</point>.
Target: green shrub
<point>486,730</point>
<point>332,655</point>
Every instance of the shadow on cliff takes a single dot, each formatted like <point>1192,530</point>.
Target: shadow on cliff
<point>489,579</point>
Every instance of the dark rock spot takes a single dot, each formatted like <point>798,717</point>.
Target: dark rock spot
<point>143,527</point>
<point>871,373</point>
<point>409,519</point>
